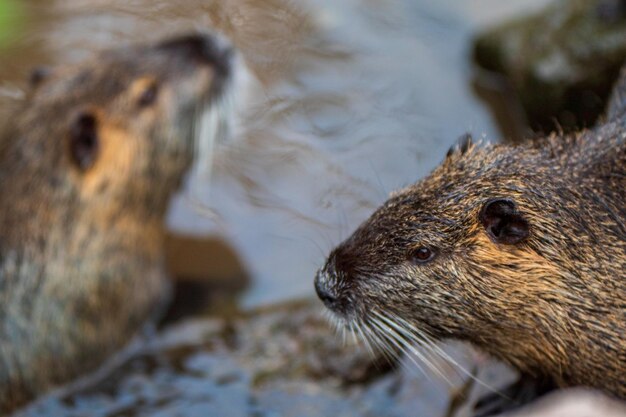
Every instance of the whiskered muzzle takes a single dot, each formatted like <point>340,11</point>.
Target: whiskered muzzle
<point>335,292</point>
<point>215,123</point>
<point>395,337</point>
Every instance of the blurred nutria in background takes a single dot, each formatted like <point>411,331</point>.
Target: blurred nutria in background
<point>88,164</point>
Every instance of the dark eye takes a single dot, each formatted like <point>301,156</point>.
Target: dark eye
<point>421,255</point>
<point>84,143</point>
<point>148,96</point>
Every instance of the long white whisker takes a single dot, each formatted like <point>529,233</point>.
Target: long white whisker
<point>412,353</point>
<point>410,340</point>
<point>355,338</point>
<point>436,348</point>
<point>211,126</point>
<point>382,344</point>
<point>416,337</point>
<point>366,341</point>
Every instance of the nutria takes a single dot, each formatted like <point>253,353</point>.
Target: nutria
<point>520,250</point>
<point>88,163</point>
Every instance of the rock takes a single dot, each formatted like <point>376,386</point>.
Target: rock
<point>573,403</point>
<point>279,361</point>
<point>561,63</point>
<point>207,273</point>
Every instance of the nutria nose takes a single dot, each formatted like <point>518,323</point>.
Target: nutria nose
<point>202,49</point>
<point>324,292</point>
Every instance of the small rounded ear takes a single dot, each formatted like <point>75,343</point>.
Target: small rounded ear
<point>462,145</point>
<point>503,223</point>
<point>84,141</point>
<point>38,75</point>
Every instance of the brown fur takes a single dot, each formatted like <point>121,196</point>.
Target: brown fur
<point>553,304</point>
<point>81,250</point>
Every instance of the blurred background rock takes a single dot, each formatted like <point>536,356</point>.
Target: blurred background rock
<point>560,64</point>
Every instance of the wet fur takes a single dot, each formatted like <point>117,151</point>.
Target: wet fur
<point>553,305</point>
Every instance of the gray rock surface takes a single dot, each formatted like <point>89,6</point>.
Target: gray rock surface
<point>284,361</point>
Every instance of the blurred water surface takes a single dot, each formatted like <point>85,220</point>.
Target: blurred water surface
<point>348,100</point>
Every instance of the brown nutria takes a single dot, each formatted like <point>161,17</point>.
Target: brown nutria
<point>88,163</point>
<point>519,250</point>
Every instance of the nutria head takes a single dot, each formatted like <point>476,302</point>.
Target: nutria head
<point>506,247</point>
<point>88,163</point>
<point>419,255</point>
<point>119,127</point>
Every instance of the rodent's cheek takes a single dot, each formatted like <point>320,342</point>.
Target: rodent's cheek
<point>205,78</point>
<point>116,160</point>
<point>187,92</point>
<point>424,281</point>
<point>170,113</point>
